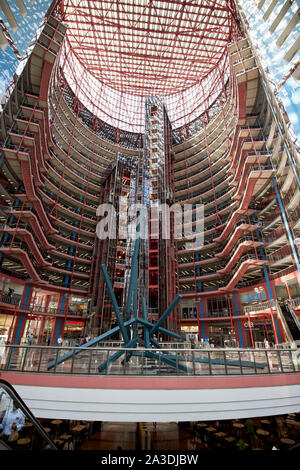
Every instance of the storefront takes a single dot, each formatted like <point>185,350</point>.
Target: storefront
<point>74,329</point>
<point>77,306</point>
<point>222,335</point>
<point>189,331</point>
<point>257,332</point>
<point>253,297</point>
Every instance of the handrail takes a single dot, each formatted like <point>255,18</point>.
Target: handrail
<point>261,306</point>
<point>198,362</point>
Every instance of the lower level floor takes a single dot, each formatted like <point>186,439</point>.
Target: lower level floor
<point>262,433</point>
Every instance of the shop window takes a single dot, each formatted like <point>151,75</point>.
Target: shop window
<point>217,306</point>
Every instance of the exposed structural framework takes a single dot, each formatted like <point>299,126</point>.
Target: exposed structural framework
<point>126,51</point>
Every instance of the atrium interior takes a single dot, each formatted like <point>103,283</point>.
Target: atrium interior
<point>149,189</point>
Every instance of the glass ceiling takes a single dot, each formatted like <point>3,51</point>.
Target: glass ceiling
<point>119,52</point>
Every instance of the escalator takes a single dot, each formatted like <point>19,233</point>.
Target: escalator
<point>19,429</point>
<point>292,321</point>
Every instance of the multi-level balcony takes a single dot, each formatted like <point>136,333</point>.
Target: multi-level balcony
<point>248,262</point>
<point>51,201</point>
<point>66,150</point>
<point>244,245</point>
<point>241,228</point>
<point>209,176</point>
<point>28,140</point>
<point>59,191</point>
<point>19,232</point>
<point>213,130</point>
<point>81,174</point>
<point>74,187</point>
<point>29,216</point>
<point>20,163</point>
<point>82,144</point>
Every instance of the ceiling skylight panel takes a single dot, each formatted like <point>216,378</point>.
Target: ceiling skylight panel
<point>147,48</point>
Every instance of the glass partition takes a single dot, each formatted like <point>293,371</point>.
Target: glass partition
<point>19,429</point>
<point>118,361</point>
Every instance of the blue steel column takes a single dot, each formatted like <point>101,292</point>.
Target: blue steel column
<point>146,331</point>
<point>114,302</point>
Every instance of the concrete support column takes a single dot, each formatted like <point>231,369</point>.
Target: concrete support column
<point>22,315</point>
<point>59,325</point>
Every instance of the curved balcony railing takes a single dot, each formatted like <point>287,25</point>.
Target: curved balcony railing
<point>85,178</point>
<point>72,141</point>
<point>197,192</point>
<point>260,306</point>
<point>104,131</point>
<point>192,362</point>
<point>84,187</point>
<point>85,217</point>
<point>208,139</point>
<point>71,157</point>
<point>295,302</point>
<point>70,195</point>
<point>240,241</point>
<point>204,271</point>
<point>179,177</point>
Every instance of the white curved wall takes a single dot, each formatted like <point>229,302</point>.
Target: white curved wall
<point>147,399</point>
<point>159,405</point>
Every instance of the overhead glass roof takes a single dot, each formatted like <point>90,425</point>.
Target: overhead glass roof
<point>119,52</point>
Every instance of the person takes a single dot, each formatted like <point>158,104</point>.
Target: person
<point>59,341</point>
<point>3,403</point>
<point>10,292</point>
<point>13,421</point>
<point>30,338</point>
<point>250,429</point>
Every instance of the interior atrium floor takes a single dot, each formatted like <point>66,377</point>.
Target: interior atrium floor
<point>280,432</point>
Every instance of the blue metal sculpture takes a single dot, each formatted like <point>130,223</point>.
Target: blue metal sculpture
<point>129,328</point>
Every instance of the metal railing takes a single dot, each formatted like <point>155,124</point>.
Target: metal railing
<point>260,306</point>
<point>12,299</point>
<point>186,362</point>
<point>295,302</point>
